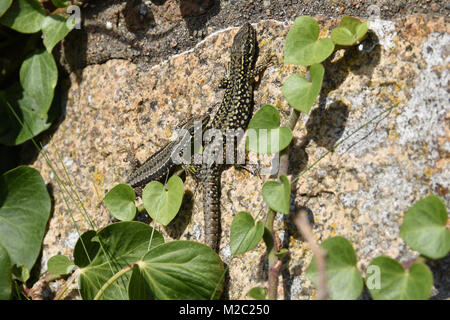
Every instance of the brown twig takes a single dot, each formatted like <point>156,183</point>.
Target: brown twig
<point>274,271</point>
<point>37,291</point>
<point>305,229</point>
<point>274,262</point>
<point>69,281</point>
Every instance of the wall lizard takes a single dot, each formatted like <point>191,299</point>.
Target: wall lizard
<point>234,113</point>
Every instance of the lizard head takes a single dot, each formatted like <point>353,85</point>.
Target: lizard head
<point>245,46</point>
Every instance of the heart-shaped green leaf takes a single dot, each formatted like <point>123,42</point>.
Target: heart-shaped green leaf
<point>282,253</point>
<point>349,32</point>
<point>54,29</point>
<point>137,287</point>
<point>120,202</point>
<point>25,107</point>
<point>5,274</point>
<point>343,278</point>
<point>121,244</point>
<point>299,92</point>
<point>4,5</point>
<point>278,195</point>
<point>24,212</point>
<point>20,272</point>
<point>60,3</point>
<point>302,44</point>
<point>424,228</point>
<point>38,77</point>
<point>59,264</point>
<point>389,281</point>
<point>15,100</point>
<point>244,234</point>
<point>264,134</point>
<point>181,270</point>
<point>163,205</point>
<point>257,293</point>
<point>85,249</point>
<point>25,16</point>
<point>268,238</point>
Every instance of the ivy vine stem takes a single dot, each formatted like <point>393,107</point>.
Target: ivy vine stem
<point>72,278</point>
<point>274,262</point>
<point>112,279</point>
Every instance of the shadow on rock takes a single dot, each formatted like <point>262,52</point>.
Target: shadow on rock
<point>441,271</point>
<point>197,12</point>
<point>361,60</point>
<point>325,126</point>
<point>179,224</point>
<point>138,17</point>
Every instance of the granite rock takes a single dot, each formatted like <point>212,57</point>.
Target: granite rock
<point>360,191</point>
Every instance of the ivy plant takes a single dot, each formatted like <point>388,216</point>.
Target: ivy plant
<point>344,279</point>
<point>277,195</point>
<point>386,278</point>
<point>120,202</point>
<point>396,283</point>
<point>350,31</point>
<point>163,205</point>
<point>303,46</point>
<point>425,228</point>
<point>301,93</point>
<point>244,233</point>
<point>264,133</point>
<point>130,260</point>
<point>29,59</point>
<point>24,212</point>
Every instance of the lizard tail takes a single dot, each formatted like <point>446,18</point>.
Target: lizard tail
<point>211,201</point>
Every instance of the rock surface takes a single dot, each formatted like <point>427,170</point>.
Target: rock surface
<point>361,191</point>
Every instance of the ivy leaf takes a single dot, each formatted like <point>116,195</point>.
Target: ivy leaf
<point>5,274</point>
<point>350,31</point>
<point>4,5</point>
<point>86,248</point>
<point>282,253</point>
<point>395,283</point>
<point>268,239</point>
<point>20,272</point>
<point>54,28</point>
<point>264,134</point>
<point>277,195</point>
<point>163,205</point>
<point>16,100</point>
<point>120,202</point>
<point>121,244</point>
<point>302,44</point>
<point>182,270</point>
<point>424,228</point>
<point>38,77</point>
<point>244,234</point>
<point>60,3</point>
<point>25,16</point>
<point>257,293</point>
<point>299,92</point>
<point>59,264</point>
<point>343,278</point>
<point>137,287</point>
<point>24,212</point>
